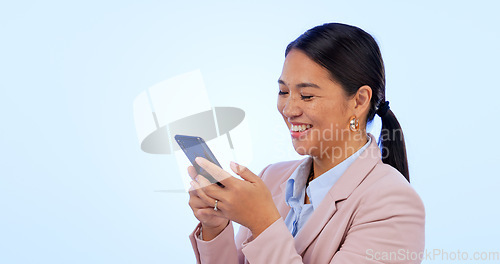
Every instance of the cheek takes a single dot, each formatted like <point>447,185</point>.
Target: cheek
<point>326,116</point>
<point>321,113</point>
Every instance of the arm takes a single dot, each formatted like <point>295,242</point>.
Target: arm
<point>222,248</point>
<point>274,245</point>
<point>387,227</point>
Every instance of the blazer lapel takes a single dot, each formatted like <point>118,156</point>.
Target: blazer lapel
<point>346,184</point>
<point>280,202</point>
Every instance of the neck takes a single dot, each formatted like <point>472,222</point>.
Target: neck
<point>324,163</point>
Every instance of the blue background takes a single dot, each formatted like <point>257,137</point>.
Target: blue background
<point>76,188</point>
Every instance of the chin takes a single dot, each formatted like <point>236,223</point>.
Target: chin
<point>302,149</point>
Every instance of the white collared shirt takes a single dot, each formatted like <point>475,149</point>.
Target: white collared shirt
<point>318,188</point>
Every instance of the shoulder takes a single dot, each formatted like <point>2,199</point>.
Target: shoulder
<point>385,190</point>
<point>387,178</point>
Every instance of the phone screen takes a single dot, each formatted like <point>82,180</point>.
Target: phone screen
<point>196,147</point>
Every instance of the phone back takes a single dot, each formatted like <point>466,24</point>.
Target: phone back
<point>196,147</point>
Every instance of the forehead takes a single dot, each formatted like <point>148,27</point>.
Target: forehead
<point>298,68</point>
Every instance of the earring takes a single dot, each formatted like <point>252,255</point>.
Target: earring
<point>354,124</point>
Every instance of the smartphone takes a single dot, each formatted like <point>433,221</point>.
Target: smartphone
<point>196,147</point>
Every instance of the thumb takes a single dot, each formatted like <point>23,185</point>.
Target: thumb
<point>243,172</point>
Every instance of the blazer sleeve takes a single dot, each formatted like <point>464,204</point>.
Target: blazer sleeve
<point>275,244</point>
<point>223,248</point>
<point>388,226</point>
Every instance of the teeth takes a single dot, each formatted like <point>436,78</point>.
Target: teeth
<point>300,128</point>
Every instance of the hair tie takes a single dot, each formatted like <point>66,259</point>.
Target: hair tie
<point>383,108</point>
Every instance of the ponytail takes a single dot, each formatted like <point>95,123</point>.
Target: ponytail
<point>392,144</point>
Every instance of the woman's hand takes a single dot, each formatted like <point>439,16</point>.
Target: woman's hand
<point>247,202</point>
<point>212,222</point>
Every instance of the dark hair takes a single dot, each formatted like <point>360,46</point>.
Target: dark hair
<point>353,59</point>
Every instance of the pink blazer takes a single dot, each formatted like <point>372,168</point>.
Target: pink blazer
<point>371,215</point>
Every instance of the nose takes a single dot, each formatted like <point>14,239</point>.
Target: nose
<point>291,108</point>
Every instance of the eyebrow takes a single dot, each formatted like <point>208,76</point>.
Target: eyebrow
<point>300,85</point>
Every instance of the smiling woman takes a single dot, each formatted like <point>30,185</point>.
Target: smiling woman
<point>309,97</point>
<point>348,201</point>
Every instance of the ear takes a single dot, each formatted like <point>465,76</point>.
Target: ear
<point>362,100</point>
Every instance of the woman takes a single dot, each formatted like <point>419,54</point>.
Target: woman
<point>348,201</point>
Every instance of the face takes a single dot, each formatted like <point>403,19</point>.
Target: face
<point>313,106</point>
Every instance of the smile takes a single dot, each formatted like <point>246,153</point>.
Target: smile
<point>299,128</point>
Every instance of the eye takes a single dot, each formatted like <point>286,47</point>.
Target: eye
<point>306,97</point>
<point>282,93</point>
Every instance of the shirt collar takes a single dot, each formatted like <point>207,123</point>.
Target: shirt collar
<point>296,183</point>
<point>319,187</point>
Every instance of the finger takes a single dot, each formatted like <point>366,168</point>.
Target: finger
<point>203,182</point>
<point>244,172</point>
<point>209,201</point>
<point>192,190</point>
<point>197,203</point>
<point>212,190</point>
<point>211,212</point>
<point>215,171</point>
<point>192,172</point>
